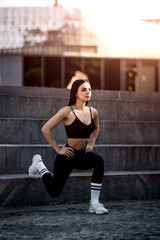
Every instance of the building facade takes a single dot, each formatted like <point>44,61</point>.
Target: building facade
<point>46,46</point>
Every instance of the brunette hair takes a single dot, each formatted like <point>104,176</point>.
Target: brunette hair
<point>74,90</point>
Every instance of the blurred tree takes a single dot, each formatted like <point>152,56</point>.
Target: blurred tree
<point>33,37</point>
<point>33,77</point>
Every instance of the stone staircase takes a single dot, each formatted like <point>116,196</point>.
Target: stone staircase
<point>129,141</point>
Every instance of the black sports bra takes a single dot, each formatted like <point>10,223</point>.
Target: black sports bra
<point>77,129</point>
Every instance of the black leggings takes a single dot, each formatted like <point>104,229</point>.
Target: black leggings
<point>64,165</point>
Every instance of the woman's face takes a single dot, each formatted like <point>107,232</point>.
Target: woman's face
<point>84,92</point>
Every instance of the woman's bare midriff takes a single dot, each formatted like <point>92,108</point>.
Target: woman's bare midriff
<point>77,143</point>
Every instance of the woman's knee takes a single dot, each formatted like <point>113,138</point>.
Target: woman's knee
<point>100,161</point>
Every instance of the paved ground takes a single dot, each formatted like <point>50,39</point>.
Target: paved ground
<point>127,220</point>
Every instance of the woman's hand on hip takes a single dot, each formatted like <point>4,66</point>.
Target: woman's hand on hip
<point>88,148</point>
<point>68,151</point>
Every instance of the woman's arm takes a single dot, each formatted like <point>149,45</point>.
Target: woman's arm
<point>95,133</point>
<point>52,123</point>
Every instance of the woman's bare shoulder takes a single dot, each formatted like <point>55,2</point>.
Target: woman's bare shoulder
<point>94,111</point>
<point>64,110</point>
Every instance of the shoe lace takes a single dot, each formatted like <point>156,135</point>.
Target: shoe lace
<point>100,205</point>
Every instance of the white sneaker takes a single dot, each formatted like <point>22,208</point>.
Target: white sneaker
<point>33,170</point>
<point>97,208</point>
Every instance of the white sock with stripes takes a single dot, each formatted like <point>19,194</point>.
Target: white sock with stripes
<point>95,192</point>
<point>41,168</point>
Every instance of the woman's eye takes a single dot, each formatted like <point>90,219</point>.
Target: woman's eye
<point>85,89</point>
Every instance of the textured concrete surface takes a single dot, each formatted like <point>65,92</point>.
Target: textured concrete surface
<point>16,159</point>
<point>129,141</point>
<point>109,109</point>
<point>61,92</point>
<point>111,105</point>
<point>28,131</point>
<point>126,220</point>
<point>19,189</point>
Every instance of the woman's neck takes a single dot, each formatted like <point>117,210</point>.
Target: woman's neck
<point>80,105</point>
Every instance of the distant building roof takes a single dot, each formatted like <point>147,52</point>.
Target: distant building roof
<point>57,30</point>
<point>43,27</point>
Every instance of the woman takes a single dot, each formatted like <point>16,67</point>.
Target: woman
<point>82,128</point>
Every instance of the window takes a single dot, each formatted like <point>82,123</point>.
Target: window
<point>32,71</point>
<point>52,72</point>
<point>71,65</point>
<point>112,74</point>
<point>92,69</point>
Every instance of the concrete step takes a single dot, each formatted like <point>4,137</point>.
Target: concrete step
<point>45,107</point>
<point>20,190</point>
<point>64,93</point>
<point>28,131</point>
<point>34,91</point>
<point>16,159</point>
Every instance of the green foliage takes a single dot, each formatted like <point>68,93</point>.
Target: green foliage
<point>33,77</point>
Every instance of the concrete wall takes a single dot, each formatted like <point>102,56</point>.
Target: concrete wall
<point>129,142</point>
<point>11,70</point>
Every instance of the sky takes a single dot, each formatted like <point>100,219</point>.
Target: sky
<point>135,9</point>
